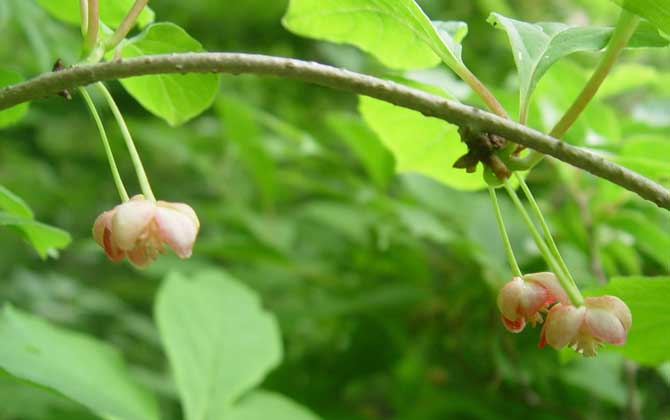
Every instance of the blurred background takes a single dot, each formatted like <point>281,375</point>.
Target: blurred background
<point>384,284</point>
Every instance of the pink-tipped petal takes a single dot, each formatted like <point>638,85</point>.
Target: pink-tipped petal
<point>562,325</point>
<point>549,281</point>
<point>182,208</point>
<point>113,252</point>
<point>177,230</point>
<point>509,298</point>
<point>605,326</point>
<point>613,304</point>
<point>514,326</point>
<point>104,221</point>
<point>534,298</point>
<point>130,221</point>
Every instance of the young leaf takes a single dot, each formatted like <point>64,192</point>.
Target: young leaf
<point>14,204</point>
<point>112,12</point>
<point>647,297</point>
<point>537,46</point>
<point>45,239</point>
<point>219,341</point>
<point>14,114</point>
<point>77,366</point>
<point>420,144</point>
<point>259,404</point>
<point>655,11</point>
<point>174,97</point>
<point>397,32</point>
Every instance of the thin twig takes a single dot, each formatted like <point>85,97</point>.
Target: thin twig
<point>430,105</point>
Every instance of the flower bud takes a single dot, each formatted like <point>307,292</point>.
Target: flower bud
<point>603,319</point>
<point>139,229</point>
<point>523,298</point>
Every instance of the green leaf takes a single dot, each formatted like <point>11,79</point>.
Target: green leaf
<point>12,115</point>
<point>655,11</point>
<point>420,144</point>
<point>174,97</point>
<point>397,32</point>
<point>376,159</point>
<point>647,297</point>
<point>649,236</point>
<point>219,341</point>
<point>648,155</point>
<point>112,12</point>
<point>243,132</point>
<point>537,46</point>
<point>14,204</point>
<point>77,366</point>
<point>259,404</point>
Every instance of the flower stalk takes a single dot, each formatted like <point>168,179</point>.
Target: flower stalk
<point>514,266</point>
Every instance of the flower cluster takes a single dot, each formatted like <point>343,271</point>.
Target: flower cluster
<point>139,229</point>
<point>604,319</point>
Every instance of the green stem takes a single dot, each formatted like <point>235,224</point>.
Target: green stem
<point>481,90</point>
<point>93,20</point>
<point>105,142</point>
<point>134,156</point>
<point>503,234</point>
<point>545,228</point>
<point>83,15</point>
<point>571,290</point>
<point>126,25</point>
<point>624,30</point>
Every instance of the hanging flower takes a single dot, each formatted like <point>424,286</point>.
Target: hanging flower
<point>139,229</point>
<point>523,298</point>
<point>604,319</point>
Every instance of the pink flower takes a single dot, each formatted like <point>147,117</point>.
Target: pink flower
<point>523,298</point>
<point>604,319</point>
<point>139,228</point>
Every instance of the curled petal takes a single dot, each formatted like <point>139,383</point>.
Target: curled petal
<point>130,221</point>
<point>514,326</point>
<point>614,305</point>
<point>113,252</point>
<point>562,325</point>
<point>509,298</point>
<point>605,326</point>
<point>178,229</point>
<point>549,281</point>
<point>104,221</point>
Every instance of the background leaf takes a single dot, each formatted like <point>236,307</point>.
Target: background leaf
<point>174,97</point>
<point>219,341</point>
<point>112,12</point>
<point>75,365</point>
<point>14,114</point>
<point>258,404</point>
<point>657,12</point>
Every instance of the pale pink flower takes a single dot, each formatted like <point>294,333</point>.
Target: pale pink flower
<point>604,319</point>
<point>523,298</point>
<point>139,229</point>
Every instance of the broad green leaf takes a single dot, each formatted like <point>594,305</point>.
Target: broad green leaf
<point>397,32</point>
<point>420,144</point>
<point>376,159</point>
<point>112,12</point>
<point>243,132</point>
<point>655,11</point>
<point>12,115</point>
<point>259,404</point>
<point>14,204</point>
<point>536,46</point>
<point>647,297</point>
<point>219,340</point>
<point>72,364</point>
<point>44,238</point>
<point>174,97</point>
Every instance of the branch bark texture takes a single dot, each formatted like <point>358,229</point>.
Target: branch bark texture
<point>430,105</point>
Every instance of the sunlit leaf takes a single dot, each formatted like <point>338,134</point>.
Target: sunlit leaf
<point>174,97</point>
<point>259,404</point>
<point>72,364</point>
<point>219,341</point>
<point>112,12</point>
<point>655,11</point>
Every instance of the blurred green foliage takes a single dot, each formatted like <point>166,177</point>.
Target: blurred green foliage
<point>383,284</point>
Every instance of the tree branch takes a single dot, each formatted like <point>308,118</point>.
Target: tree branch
<point>429,105</point>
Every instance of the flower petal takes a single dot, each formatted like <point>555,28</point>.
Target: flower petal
<point>139,257</point>
<point>604,325</point>
<point>104,221</point>
<point>113,252</point>
<point>534,298</point>
<point>177,229</point>
<point>130,221</point>
<point>551,283</point>
<point>562,324</point>
<point>613,304</point>
<point>514,326</point>
<point>509,298</point>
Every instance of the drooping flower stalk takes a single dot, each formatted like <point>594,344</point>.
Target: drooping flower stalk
<point>514,266</point>
<point>105,142</point>
<point>134,155</point>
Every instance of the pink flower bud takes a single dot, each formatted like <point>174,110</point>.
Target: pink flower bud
<point>523,298</point>
<point>604,319</point>
<point>139,228</point>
